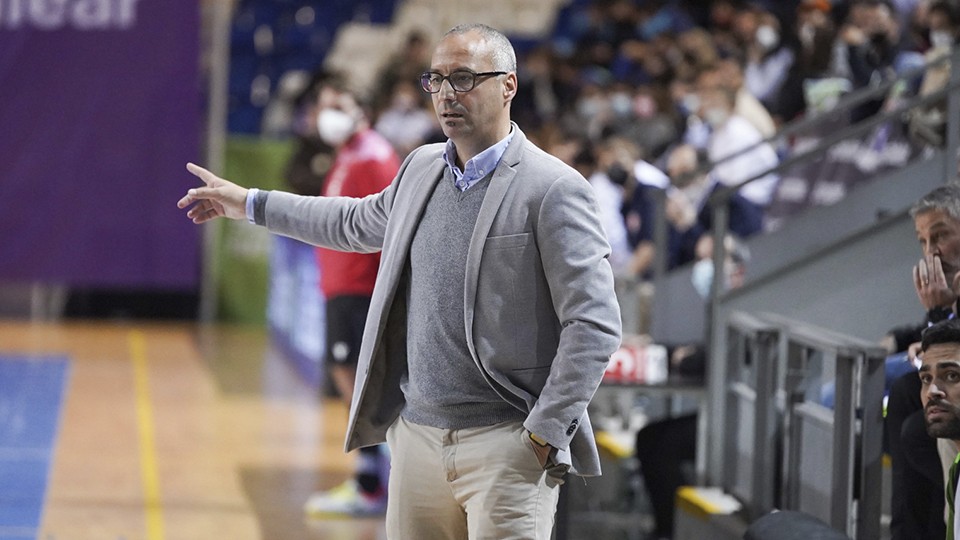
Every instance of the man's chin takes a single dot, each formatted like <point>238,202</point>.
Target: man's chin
<point>943,430</point>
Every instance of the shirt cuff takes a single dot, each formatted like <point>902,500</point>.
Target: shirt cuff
<point>251,194</point>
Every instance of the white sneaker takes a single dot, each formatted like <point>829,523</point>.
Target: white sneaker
<point>346,500</point>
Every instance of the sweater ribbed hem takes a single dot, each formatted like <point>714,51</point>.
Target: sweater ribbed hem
<point>462,415</point>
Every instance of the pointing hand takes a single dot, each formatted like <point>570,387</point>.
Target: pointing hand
<point>219,197</point>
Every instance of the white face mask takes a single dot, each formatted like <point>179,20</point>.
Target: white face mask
<point>621,103</point>
<point>334,126</point>
<point>767,37</point>
<point>702,277</point>
<point>941,39</point>
<point>589,107</point>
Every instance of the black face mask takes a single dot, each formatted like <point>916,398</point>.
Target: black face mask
<point>881,44</point>
<point>617,174</point>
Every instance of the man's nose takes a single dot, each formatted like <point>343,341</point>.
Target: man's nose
<point>446,90</point>
<point>933,390</point>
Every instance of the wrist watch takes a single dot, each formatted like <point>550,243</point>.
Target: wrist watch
<point>538,440</point>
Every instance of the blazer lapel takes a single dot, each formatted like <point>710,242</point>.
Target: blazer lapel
<point>413,209</point>
<point>499,184</point>
<point>407,212</point>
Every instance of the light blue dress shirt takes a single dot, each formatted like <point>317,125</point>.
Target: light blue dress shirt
<point>481,165</point>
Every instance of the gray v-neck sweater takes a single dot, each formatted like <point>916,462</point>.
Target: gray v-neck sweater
<point>444,387</point>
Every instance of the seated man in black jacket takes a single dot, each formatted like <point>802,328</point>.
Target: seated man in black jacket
<point>917,494</point>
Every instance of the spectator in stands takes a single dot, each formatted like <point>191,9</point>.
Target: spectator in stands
<point>541,91</point>
<point>312,157</point>
<point>652,124</point>
<point>905,10</point>
<point>594,110</point>
<point>917,502</point>
<point>492,356</point>
<point>662,447</point>
<point>618,159</point>
<point>405,122</point>
<point>405,64</point>
<point>686,104</point>
<point>943,27</point>
<point>721,25</point>
<point>365,164</point>
<point>603,27</point>
<point>746,105</point>
<point>940,394</point>
<point>769,56</point>
<point>735,145</point>
<point>811,83</point>
<point>688,210</point>
<point>869,50</point>
<point>696,53</point>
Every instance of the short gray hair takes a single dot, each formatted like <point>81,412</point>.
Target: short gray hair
<point>503,56</point>
<point>945,198</point>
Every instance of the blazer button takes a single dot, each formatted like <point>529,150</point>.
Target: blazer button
<point>573,427</point>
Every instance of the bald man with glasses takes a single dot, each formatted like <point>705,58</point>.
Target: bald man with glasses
<point>493,316</point>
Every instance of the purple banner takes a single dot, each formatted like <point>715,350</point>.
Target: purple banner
<point>99,111</point>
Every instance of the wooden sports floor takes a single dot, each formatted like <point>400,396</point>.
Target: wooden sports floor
<point>163,431</point>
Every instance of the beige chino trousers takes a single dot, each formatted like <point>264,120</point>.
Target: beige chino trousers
<point>476,483</point>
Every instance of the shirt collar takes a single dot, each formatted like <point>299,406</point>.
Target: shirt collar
<point>481,165</point>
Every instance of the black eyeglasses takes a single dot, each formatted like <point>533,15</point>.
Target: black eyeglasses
<point>461,80</point>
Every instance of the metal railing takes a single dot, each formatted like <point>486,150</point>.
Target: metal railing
<point>776,443</point>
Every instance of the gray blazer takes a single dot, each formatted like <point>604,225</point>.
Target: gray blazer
<point>541,316</point>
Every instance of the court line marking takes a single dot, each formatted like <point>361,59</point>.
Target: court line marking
<point>24,454</point>
<point>153,505</point>
<point>18,532</point>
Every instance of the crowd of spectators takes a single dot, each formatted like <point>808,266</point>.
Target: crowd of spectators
<point>707,81</point>
<point>624,88</point>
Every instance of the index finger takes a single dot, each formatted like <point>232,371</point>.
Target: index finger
<point>201,173</point>
<point>938,275</point>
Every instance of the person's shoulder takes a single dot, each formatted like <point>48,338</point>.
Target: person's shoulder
<point>547,166</point>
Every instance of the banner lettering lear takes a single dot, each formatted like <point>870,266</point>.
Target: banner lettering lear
<point>74,14</point>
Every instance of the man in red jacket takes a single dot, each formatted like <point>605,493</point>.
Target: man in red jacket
<point>365,163</point>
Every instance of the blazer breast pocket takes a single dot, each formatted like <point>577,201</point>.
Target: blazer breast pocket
<point>510,291</point>
<point>508,241</point>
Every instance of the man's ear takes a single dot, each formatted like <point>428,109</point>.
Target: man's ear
<point>509,86</point>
